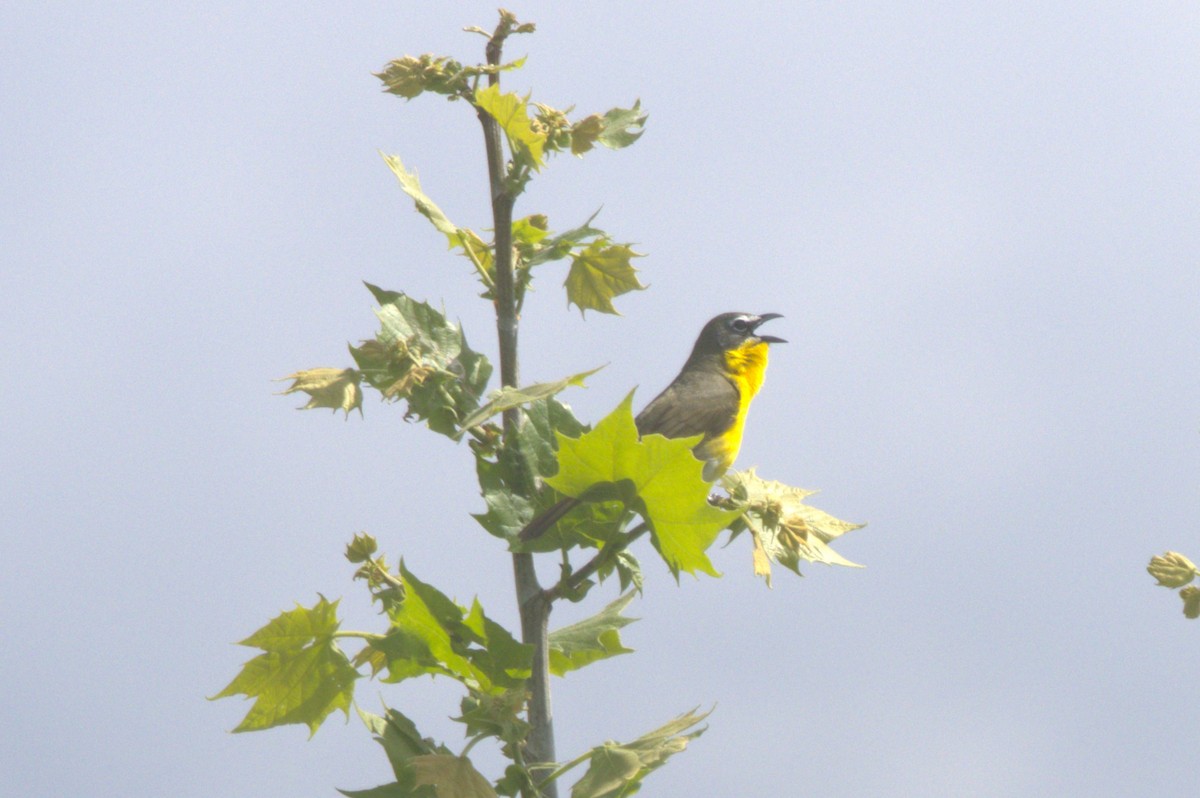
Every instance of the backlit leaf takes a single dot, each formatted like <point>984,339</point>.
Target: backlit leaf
<point>512,114</point>
<point>784,528</point>
<point>328,387</point>
<point>599,273</point>
<point>617,769</point>
<point>301,677</point>
<point>658,478</point>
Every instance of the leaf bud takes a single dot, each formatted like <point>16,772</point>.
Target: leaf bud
<point>1172,569</point>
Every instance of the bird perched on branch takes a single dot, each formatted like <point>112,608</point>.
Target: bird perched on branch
<point>710,396</point>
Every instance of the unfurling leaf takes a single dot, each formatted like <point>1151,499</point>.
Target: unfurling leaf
<point>618,128</point>
<point>599,273</point>
<point>784,528</point>
<point>656,477</point>
<point>507,397</point>
<point>496,715</point>
<point>361,548</point>
<point>1191,601</point>
<point>511,112</point>
<point>585,132</point>
<point>617,769</point>
<point>1172,569</point>
<point>301,677</point>
<point>409,76</point>
<point>427,207</point>
<point>327,387</point>
<point>419,356</point>
<point>589,640</point>
<point>622,126</point>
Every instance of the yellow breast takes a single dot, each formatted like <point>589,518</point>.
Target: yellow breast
<point>745,367</point>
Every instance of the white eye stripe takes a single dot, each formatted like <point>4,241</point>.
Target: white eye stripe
<point>740,324</point>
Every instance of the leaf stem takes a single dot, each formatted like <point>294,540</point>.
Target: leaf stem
<point>568,584</point>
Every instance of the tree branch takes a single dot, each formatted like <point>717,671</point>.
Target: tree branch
<point>534,608</point>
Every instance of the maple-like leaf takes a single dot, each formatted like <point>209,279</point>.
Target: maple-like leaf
<point>617,769</point>
<point>591,639</point>
<point>301,677</point>
<point>511,112</point>
<point>327,387</point>
<point>784,528</point>
<point>657,477</point>
<point>600,272</point>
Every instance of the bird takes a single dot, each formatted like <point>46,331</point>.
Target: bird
<point>709,397</point>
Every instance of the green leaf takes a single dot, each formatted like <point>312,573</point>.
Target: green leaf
<point>427,207</point>
<point>451,776</point>
<point>327,387</point>
<point>361,548</point>
<point>785,529</point>
<point>617,769</point>
<point>433,775</point>
<point>430,634</point>
<point>473,248</point>
<point>657,477</point>
<point>587,641</point>
<point>409,76</point>
<point>560,246</point>
<point>399,738</point>
<point>301,678</point>
<point>419,356</point>
<point>530,229</point>
<point>394,790</point>
<point>628,569</point>
<point>622,126</point>
<point>496,716</point>
<point>599,273</point>
<point>511,500</point>
<point>508,397</point>
<point>618,128</point>
<point>585,132</point>
<point>511,112</point>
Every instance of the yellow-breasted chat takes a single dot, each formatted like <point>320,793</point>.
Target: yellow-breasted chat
<point>710,396</point>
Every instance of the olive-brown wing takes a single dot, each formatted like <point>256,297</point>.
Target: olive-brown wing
<point>696,403</point>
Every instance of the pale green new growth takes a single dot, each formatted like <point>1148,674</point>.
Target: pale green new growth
<point>327,387</point>
<point>512,114</point>
<point>301,677</point>
<point>784,528</point>
<point>1173,570</point>
<point>617,769</point>
<point>506,398</point>
<point>658,478</point>
<point>600,272</point>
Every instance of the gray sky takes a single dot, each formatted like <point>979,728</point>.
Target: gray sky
<point>981,221</point>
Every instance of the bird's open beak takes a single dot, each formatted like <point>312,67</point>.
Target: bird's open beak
<point>770,339</point>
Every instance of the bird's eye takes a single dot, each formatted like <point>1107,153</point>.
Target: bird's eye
<point>740,325</point>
